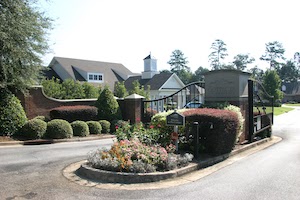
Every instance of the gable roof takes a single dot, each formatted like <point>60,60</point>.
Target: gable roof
<point>156,82</point>
<point>112,71</point>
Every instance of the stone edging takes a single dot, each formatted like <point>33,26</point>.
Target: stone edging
<point>103,176</point>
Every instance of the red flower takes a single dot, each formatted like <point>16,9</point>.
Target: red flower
<point>116,127</point>
<point>151,126</point>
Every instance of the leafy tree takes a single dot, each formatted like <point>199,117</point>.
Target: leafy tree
<point>288,72</point>
<point>219,51</point>
<point>23,40</point>
<point>52,88</point>
<point>140,90</point>
<point>198,75</point>
<point>242,60</point>
<point>178,62</point>
<point>272,83</point>
<point>72,89</point>
<point>273,52</point>
<point>257,73</point>
<point>179,66</point>
<point>90,91</point>
<point>108,107</point>
<point>120,90</point>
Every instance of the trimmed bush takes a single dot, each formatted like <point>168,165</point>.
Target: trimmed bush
<point>218,129</point>
<point>43,118</point>
<point>80,128</point>
<point>105,126</point>
<point>74,113</point>
<point>59,129</point>
<point>241,119</point>
<point>33,129</point>
<point>108,107</point>
<point>94,127</point>
<point>12,114</point>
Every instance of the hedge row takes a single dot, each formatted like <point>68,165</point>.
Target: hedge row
<point>74,113</point>
<point>59,129</point>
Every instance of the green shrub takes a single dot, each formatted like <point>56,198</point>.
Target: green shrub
<point>73,113</point>
<point>108,107</point>
<point>218,129</point>
<point>80,128</point>
<point>105,126</point>
<point>59,129</point>
<point>43,118</point>
<point>241,119</point>
<point>94,127</point>
<point>33,129</point>
<point>12,114</point>
<point>117,124</point>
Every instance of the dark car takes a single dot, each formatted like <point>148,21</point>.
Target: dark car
<point>193,105</point>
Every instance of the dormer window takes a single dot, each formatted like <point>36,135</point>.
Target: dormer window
<point>95,77</point>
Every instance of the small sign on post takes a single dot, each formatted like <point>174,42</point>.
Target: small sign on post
<point>175,119</point>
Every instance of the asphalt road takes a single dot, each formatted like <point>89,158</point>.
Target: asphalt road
<point>35,172</point>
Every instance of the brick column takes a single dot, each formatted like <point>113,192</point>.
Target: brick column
<point>132,108</point>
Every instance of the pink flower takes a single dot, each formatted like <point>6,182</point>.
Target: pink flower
<point>151,126</point>
<point>116,127</point>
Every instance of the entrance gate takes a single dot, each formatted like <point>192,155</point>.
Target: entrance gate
<point>261,109</point>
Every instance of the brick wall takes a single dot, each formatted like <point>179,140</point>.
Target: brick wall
<point>37,103</point>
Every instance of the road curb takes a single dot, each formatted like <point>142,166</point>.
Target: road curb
<point>53,141</point>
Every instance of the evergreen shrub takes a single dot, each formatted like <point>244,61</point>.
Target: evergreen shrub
<point>94,127</point>
<point>80,128</point>
<point>33,129</point>
<point>12,114</point>
<point>58,129</point>
<point>105,126</point>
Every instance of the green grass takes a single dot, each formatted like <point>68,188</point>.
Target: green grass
<point>290,104</point>
<point>277,110</point>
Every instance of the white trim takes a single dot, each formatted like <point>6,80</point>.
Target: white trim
<point>95,77</point>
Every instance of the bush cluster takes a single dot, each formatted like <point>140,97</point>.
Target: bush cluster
<point>80,128</point>
<point>218,128</point>
<point>12,114</point>
<point>73,113</point>
<point>94,127</point>
<point>58,129</point>
<point>136,157</point>
<point>105,126</point>
<point>33,129</point>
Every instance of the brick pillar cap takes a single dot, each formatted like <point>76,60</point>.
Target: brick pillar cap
<point>134,96</point>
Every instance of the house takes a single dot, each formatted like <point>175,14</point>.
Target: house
<point>291,92</point>
<point>161,84</point>
<point>95,72</point>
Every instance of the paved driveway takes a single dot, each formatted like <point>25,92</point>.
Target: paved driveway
<point>35,172</point>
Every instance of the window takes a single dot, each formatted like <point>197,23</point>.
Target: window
<point>95,77</point>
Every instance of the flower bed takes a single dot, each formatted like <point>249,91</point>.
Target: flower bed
<point>136,157</point>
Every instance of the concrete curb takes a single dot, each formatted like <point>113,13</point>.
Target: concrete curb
<point>52,141</point>
<point>103,176</point>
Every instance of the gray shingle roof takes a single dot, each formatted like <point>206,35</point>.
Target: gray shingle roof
<point>156,82</point>
<point>112,71</point>
<point>292,88</point>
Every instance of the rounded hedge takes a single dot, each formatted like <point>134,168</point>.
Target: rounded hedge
<point>80,128</point>
<point>33,129</point>
<point>43,118</point>
<point>94,127</point>
<point>105,126</point>
<point>12,114</point>
<point>59,129</point>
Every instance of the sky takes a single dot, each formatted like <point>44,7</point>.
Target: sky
<point>126,32</point>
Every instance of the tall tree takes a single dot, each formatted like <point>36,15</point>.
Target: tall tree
<point>219,51</point>
<point>242,60</point>
<point>179,66</point>
<point>273,53</point>
<point>288,72</point>
<point>272,83</point>
<point>23,40</point>
<point>120,90</point>
<point>198,75</point>
<point>257,73</point>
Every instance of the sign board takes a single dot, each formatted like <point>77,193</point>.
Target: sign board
<point>175,119</point>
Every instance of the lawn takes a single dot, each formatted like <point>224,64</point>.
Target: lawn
<point>289,104</point>
<point>277,110</point>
